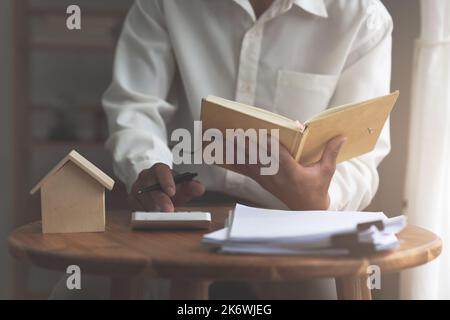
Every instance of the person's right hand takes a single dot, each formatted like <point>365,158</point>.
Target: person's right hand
<point>172,195</point>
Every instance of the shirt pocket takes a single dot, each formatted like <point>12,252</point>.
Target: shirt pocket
<point>300,96</point>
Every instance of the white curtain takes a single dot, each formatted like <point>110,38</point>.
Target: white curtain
<point>428,170</point>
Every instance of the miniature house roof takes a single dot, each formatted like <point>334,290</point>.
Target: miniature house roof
<point>84,165</point>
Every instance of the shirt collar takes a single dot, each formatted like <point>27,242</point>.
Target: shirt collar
<point>316,7</point>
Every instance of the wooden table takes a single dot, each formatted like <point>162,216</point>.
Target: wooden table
<point>127,256</point>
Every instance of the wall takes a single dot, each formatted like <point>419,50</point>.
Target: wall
<point>406,15</point>
<point>5,145</point>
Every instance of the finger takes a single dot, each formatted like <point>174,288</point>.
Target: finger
<point>147,202</point>
<point>134,204</point>
<point>187,191</point>
<point>165,178</point>
<point>145,178</point>
<point>280,153</point>
<point>285,158</point>
<point>330,154</point>
<point>144,200</point>
<point>162,200</point>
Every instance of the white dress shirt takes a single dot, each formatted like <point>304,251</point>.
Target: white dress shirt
<point>298,58</point>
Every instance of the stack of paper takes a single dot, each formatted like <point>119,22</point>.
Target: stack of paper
<point>265,231</point>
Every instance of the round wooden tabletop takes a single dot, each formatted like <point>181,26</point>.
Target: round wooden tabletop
<point>180,254</point>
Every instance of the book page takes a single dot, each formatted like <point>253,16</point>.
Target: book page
<point>360,123</point>
<point>255,112</point>
<point>266,224</point>
<point>330,111</point>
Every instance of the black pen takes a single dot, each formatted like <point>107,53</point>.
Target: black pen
<point>179,178</point>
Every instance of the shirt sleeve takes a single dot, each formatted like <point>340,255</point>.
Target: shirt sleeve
<point>135,103</point>
<point>366,75</point>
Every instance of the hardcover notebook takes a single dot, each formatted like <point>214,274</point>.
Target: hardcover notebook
<point>360,122</point>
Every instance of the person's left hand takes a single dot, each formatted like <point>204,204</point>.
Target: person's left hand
<point>299,187</point>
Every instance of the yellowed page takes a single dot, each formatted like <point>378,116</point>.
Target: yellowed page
<point>361,123</point>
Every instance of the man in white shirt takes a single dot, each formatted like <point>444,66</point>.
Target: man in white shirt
<point>292,57</point>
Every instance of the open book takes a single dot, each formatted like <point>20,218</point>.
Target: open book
<point>360,122</point>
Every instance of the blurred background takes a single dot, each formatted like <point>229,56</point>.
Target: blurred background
<point>51,84</point>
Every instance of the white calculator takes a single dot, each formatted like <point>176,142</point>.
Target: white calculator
<point>171,220</point>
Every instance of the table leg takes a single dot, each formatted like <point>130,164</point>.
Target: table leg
<point>353,288</point>
<point>127,288</point>
<point>189,290</point>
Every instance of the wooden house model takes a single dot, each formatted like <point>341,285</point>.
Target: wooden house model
<point>73,196</point>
